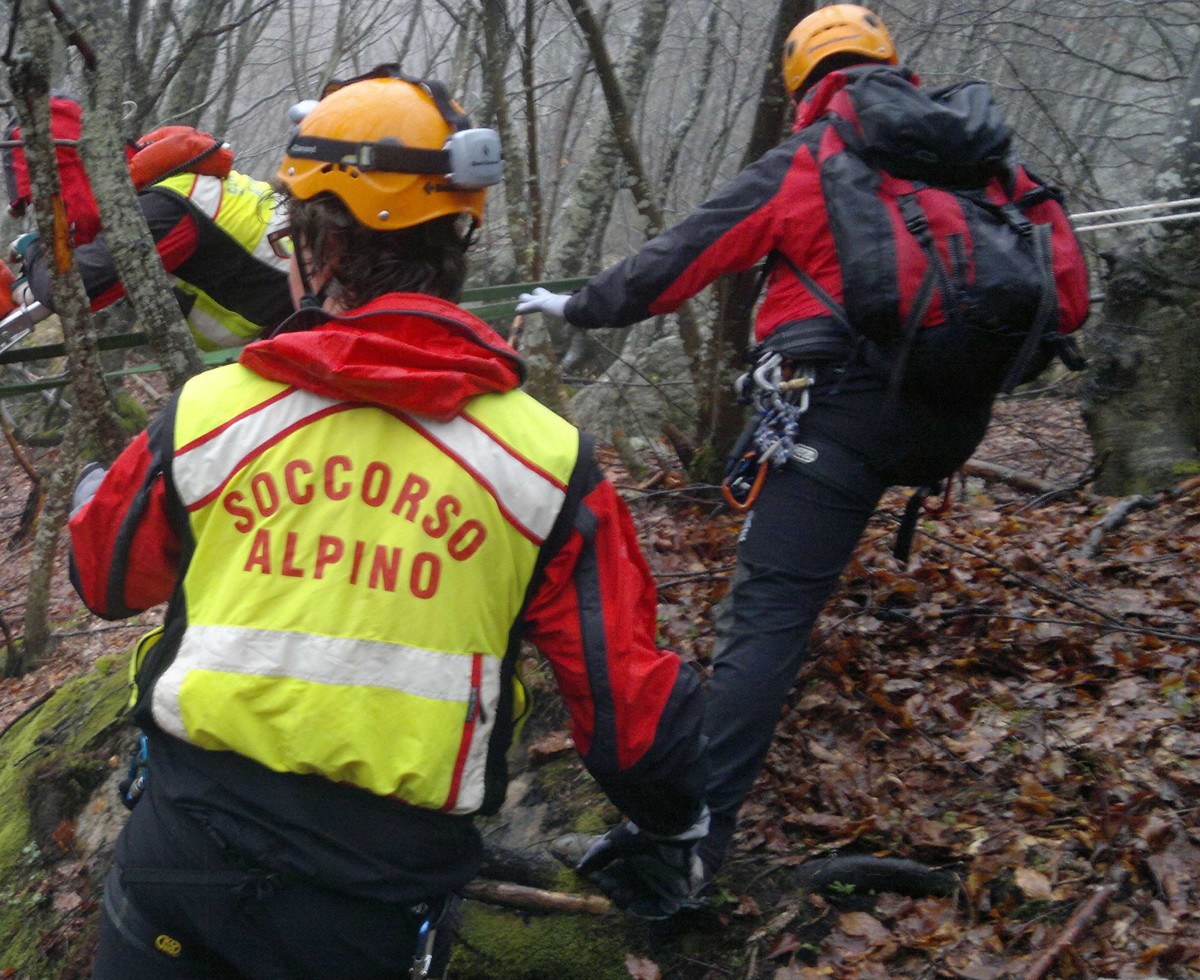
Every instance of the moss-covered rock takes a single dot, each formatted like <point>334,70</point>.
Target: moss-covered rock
<point>51,761</point>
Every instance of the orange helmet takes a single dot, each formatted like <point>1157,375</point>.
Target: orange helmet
<point>395,151</point>
<point>843,28</point>
<point>172,150</point>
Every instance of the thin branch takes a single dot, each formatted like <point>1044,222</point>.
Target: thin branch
<point>1076,925</point>
<point>1111,621</point>
<point>1115,517</point>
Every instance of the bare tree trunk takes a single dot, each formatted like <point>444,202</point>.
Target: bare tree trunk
<point>499,43</point>
<point>535,259</point>
<point>125,230</point>
<point>187,94</point>
<point>645,200</point>
<point>1141,401</point>
<point>28,77</point>
<point>37,634</point>
<point>239,47</point>
<point>585,219</point>
<point>720,415</point>
<point>679,133</point>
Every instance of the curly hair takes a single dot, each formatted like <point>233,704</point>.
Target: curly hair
<point>364,263</point>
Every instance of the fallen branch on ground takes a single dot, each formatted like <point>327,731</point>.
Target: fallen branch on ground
<point>535,899</point>
<point>1115,517</point>
<point>1076,924</point>
<point>533,868</point>
<point>869,873</point>
<point>1022,481</point>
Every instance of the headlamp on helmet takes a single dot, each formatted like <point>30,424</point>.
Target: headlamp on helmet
<point>469,160</point>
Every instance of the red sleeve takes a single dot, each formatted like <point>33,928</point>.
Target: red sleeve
<point>729,232</point>
<point>124,549</point>
<point>173,228</point>
<point>636,710</point>
<point>639,675</point>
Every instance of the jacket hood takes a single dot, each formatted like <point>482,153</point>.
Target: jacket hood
<point>404,351</point>
<point>910,131</point>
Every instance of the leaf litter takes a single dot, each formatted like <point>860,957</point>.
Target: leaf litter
<point>1004,707</point>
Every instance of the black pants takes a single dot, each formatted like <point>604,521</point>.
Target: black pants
<point>799,536</point>
<point>180,907</point>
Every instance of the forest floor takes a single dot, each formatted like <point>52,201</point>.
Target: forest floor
<point>1020,704</point>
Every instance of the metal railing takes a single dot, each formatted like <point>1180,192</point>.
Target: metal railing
<point>489,303</point>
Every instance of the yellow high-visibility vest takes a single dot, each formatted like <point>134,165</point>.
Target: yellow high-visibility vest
<point>243,208</point>
<point>355,578</point>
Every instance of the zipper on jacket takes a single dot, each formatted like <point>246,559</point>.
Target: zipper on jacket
<point>476,714</point>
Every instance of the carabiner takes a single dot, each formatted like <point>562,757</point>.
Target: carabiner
<point>423,957</point>
<point>739,490</point>
<point>769,365</point>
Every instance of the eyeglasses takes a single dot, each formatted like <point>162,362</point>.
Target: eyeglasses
<point>281,243</point>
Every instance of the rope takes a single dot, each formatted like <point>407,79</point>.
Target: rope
<point>1189,202</point>
<point>1162,220</point>
<point>1186,202</point>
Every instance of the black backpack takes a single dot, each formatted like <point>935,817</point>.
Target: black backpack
<point>958,264</point>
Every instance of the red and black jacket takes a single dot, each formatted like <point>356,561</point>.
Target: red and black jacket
<point>778,208</point>
<point>190,246</point>
<point>773,206</point>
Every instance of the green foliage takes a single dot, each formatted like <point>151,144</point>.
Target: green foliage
<point>596,821</point>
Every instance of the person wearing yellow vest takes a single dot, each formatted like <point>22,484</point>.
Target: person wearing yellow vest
<point>211,226</point>
<point>355,527</point>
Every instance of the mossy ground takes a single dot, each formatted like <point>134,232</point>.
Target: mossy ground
<point>50,761</point>
<point>496,943</point>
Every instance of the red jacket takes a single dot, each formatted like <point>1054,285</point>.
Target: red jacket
<point>774,205</point>
<point>635,710</point>
<point>780,207</point>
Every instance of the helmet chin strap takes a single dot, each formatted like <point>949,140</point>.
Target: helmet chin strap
<point>311,310</point>
<point>311,299</point>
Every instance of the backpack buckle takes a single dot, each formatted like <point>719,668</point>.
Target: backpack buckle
<point>1018,219</point>
<point>915,219</point>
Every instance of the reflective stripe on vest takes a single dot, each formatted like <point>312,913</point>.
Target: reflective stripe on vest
<point>355,579</point>
<point>237,205</point>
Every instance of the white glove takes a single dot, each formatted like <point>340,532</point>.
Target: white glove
<point>543,301</point>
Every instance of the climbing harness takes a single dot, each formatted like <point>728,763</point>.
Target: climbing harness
<point>778,388</point>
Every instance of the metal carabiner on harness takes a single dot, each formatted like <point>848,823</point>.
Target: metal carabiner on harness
<point>770,436</point>
<point>742,483</point>
<point>766,376</point>
<point>801,382</point>
<point>423,957</point>
<point>134,783</point>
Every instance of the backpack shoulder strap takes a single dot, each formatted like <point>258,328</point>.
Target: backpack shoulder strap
<point>1047,309</point>
<point>832,305</point>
